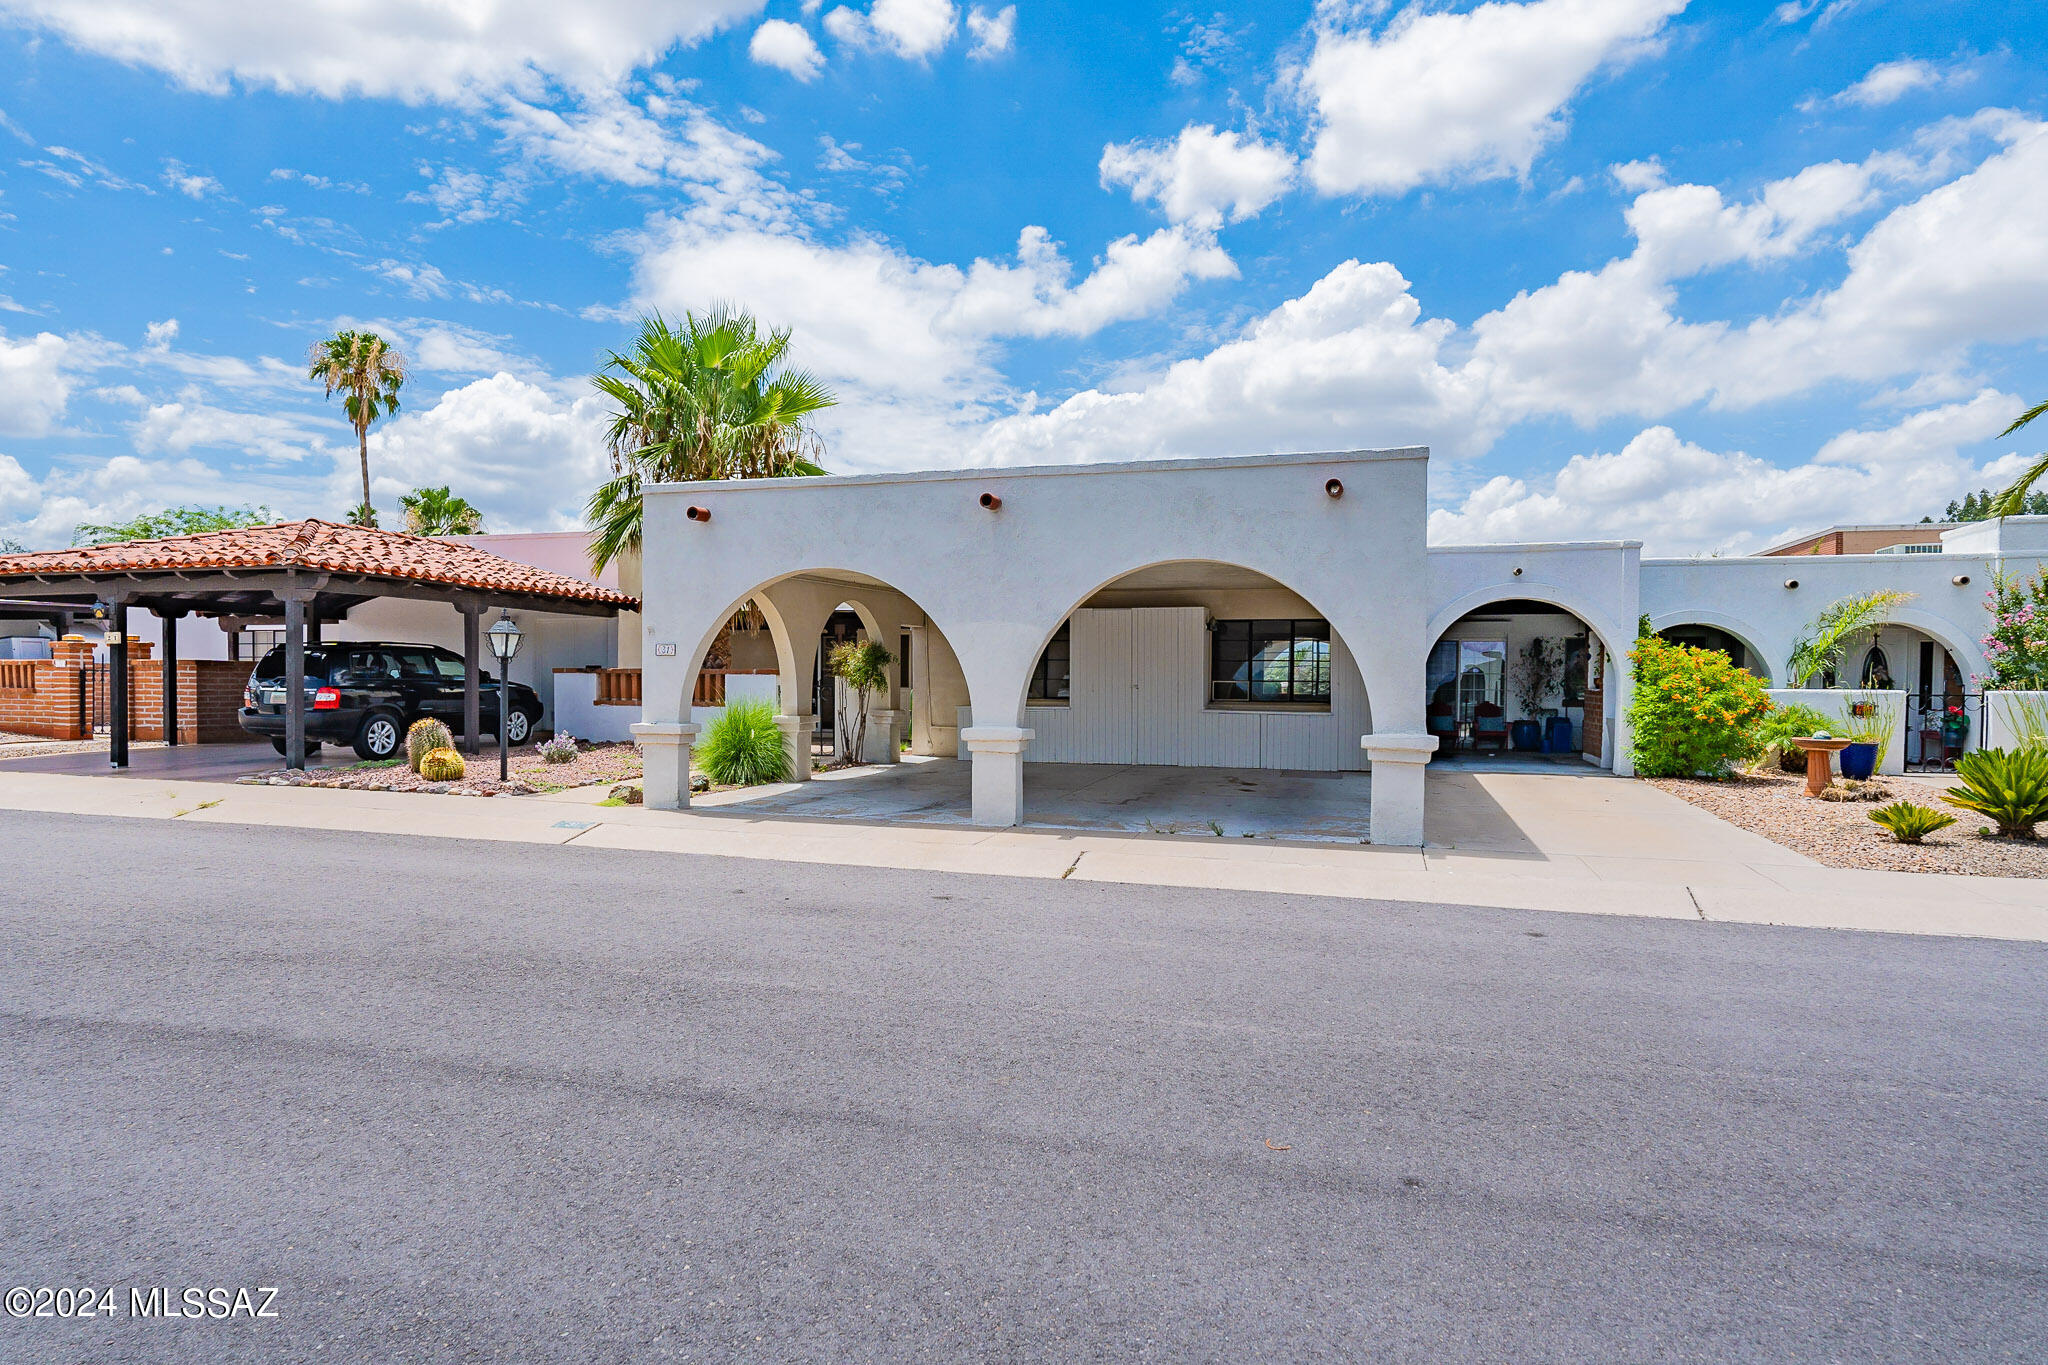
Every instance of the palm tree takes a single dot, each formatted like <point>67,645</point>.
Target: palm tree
<point>2013,501</point>
<point>362,366</point>
<point>438,512</point>
<point>1821,648</point>
<point>712,399</point>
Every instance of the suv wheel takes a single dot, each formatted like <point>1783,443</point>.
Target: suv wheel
<point>379,738</point>
<point>518,726</point>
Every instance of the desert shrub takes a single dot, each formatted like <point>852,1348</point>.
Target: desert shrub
<point>442,765</point>
<point>744,746</point>
<point>1693,713</point>
<point>2007,786</point>
<point>1910,823</point>
<point>560,749</point>
<point>1785,723</point>
<point>423,738</point>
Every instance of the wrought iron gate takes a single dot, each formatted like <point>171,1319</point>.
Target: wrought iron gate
<point>95,700</point>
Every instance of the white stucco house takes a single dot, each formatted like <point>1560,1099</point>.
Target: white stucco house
<point>1266,612</point>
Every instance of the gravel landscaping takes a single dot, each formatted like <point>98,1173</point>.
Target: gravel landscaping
<point>1841,833</point>
<point>596,764</point>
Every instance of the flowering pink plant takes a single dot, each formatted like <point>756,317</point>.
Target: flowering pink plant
<point>2016,649</point>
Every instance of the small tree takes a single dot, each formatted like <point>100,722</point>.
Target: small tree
<point>864,667</point>
<point>1541,666</point>
<point>438,512</point>
<point>172,521</point>
<point>1694,714</point>
<point>1825,641</point>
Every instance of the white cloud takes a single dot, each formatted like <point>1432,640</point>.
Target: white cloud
<point>461,196</point>
<point>780,43</point>
<point>189,422</point>
<point>993,34</point>
<point>42,513</point>
<point>1892,81</point>
<point>1202,176</point>
<point>612,138</point>
<point>1681,498</point>
<point>188,182</point>
<point>523,453</point>
<point>1351,363</point>
<point>914,29</point>
<point>34,385</point>
<point>413,52</point>
<point>1439,96</point>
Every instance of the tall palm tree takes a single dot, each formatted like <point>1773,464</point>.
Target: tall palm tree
<point>438,512</point>
<point>711,399</point>
<point>2013,501</point>
<point>361,366</point>
<point>1827,640</point>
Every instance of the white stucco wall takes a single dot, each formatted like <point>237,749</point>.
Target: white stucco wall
<point>998,583</point>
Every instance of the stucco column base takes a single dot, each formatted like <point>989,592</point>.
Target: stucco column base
<point>796,742</point>
<point>997,780</point>
<point>665,763</point>
<point>1397,762</point>
<point>885,737</point>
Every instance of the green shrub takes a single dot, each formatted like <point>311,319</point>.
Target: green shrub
<point>1693,713</point>
<point>2007,786</point>
<point>423,738</point>
<point>1910,823</point>
<point>442,765</point>
<point>744,746</point>
<point>1785,723</point>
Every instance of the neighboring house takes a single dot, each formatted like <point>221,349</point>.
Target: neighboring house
<point>1913,537</point>
<point>1272,612</point>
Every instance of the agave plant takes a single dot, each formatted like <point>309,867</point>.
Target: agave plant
<point>2009,787</point>
<point>1828,638</point>
<point>1910,823</point>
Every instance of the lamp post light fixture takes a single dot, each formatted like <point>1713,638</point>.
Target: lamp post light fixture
<point>505,637</point>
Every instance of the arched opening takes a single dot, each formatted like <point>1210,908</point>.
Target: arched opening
<point>1698,635</point>
<point>1196,697</point>
<point>1522,682</point>
<point>774,643</point>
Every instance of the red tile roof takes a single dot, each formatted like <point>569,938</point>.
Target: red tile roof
<point>317,546</point>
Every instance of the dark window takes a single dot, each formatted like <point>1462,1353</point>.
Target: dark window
<point>1053,679</point>
<point>271,667</point>
<point>1575,655</point>
<point>1270,661</point>
<point>903,660</point>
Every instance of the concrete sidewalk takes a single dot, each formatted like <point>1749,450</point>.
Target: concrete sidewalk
<point>1507,840</point>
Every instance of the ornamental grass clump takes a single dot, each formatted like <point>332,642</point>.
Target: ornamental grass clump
<point>423,738</point>
<point>2009,787</point>
<point>1693,713</point>
<point>744,747</point>
<point>1910,823</point>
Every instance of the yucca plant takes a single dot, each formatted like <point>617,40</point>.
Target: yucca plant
<point>2009,787</point>
<point>744,747</point>
<point>1910,823</point>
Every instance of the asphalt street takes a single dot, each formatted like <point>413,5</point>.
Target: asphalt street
<point>507,1102</point>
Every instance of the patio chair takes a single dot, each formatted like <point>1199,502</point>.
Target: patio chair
<point>1489,726</point>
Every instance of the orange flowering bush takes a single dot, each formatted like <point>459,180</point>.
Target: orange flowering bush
<point>1694,714</point>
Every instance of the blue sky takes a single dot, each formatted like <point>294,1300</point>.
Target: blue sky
<point>1695,273</point>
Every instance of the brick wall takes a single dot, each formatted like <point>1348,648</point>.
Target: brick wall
<point>209,694</point>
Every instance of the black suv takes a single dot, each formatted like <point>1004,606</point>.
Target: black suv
<point>366,693</point>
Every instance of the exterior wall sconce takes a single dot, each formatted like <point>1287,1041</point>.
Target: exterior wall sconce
<point>698,514</point>
<point>1791,582</point>
<point>1335,488</point>
<point>1518,571</point>
<point>1961,580</point>
<point>991,501</point>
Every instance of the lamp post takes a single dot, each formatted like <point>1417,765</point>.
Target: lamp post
<point>504,637</point>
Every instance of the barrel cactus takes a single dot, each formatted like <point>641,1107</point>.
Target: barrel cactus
<point>442,765</point>
<point>423,738</point>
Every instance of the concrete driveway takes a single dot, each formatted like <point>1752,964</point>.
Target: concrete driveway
<point>1133,799</point>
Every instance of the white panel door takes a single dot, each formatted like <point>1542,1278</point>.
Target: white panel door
<point>1105,698</point>
<point>1166,645</point>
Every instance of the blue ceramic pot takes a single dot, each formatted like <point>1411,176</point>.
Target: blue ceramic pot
<point>1859,761</point>
<point>1557,736</point>
<point>1526,735</point>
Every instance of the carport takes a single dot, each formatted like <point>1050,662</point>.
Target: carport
<point>307,573</point>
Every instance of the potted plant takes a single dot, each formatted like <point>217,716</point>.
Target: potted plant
<point>1871,720</point>
<point>1534,683</point>
<point>1955,729</point>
